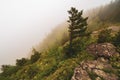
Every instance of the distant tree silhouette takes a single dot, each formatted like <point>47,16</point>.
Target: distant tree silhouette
<point>8,70</point>
<point>35,56</point>
<point>21,62</point>
<point>5,67</point>
<point>77,25</point>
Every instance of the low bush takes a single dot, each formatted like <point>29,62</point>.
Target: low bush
<point>21,62</point>
<point>35,56</point>
<point>105,36</point>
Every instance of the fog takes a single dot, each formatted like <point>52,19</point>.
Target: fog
<point>25,23</point>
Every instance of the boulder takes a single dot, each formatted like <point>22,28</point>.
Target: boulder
<point>102,49</point>
<point>95,70</point>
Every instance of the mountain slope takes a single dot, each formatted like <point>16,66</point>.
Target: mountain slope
<point>54,63</point>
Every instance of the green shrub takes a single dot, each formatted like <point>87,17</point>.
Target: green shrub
<point>105,36</point>
<point>35,56</point>
<point>64,70</point>
<point>115,61</point>
<point>8,70</point>
<point>117,41</point>
<point>4,78</point>
<point>79,44</point>
<point>83,55</point>
<point>92,75</point>
<point>32,71</point>
<point>21,62</point>
<point>47,67</point>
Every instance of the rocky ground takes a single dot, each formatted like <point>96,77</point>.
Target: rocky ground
<point>99,69</point>
<point>102,68</point>
<point>106,50</point>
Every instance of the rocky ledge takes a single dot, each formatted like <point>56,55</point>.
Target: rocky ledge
<point>99,69</point>
<point>102,50</point>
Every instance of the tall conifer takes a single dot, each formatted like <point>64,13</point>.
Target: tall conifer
<point>77,25</point>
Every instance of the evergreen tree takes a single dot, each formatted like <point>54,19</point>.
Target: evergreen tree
<point>77,25</point>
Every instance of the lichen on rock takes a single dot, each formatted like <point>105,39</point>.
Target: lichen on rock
<point>102,49</point>
<point>99,69</point>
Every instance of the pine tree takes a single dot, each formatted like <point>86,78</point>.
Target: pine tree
<point>77,25</point>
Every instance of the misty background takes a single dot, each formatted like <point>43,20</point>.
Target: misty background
<point>25,23</point>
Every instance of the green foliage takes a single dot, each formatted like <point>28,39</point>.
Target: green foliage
<point>118,49</point>
<point>107,70</point>
<point>105,36</point>
<point>27,72</point>
<point>77,26</point>
<point>105,14</point>
<point>48,67</point>
<point>35,56</point>
<point>52,66</point>
<point>116,65</point>
<point>64,71</point>
<point>92,75</point>
<point>8,70</point>
<point>4,78</point>
<point>79,45</point>
<point>5,67</point>
<point>115,61</point>
<point>21,62</point>
<point>83,55</point>
<point>32,71</point>
<point>117,39</point>
<point>66,67</point>
<point>48,62</point>
<point>53,63</point>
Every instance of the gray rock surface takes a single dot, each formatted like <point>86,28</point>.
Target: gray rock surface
<point>99,69</point>
<point>102,49</point>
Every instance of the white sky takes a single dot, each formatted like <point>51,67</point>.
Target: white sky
<point>24,23</point>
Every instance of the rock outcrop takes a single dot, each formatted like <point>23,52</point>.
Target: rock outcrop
<point>99,69</point>
<point>102,49</point>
